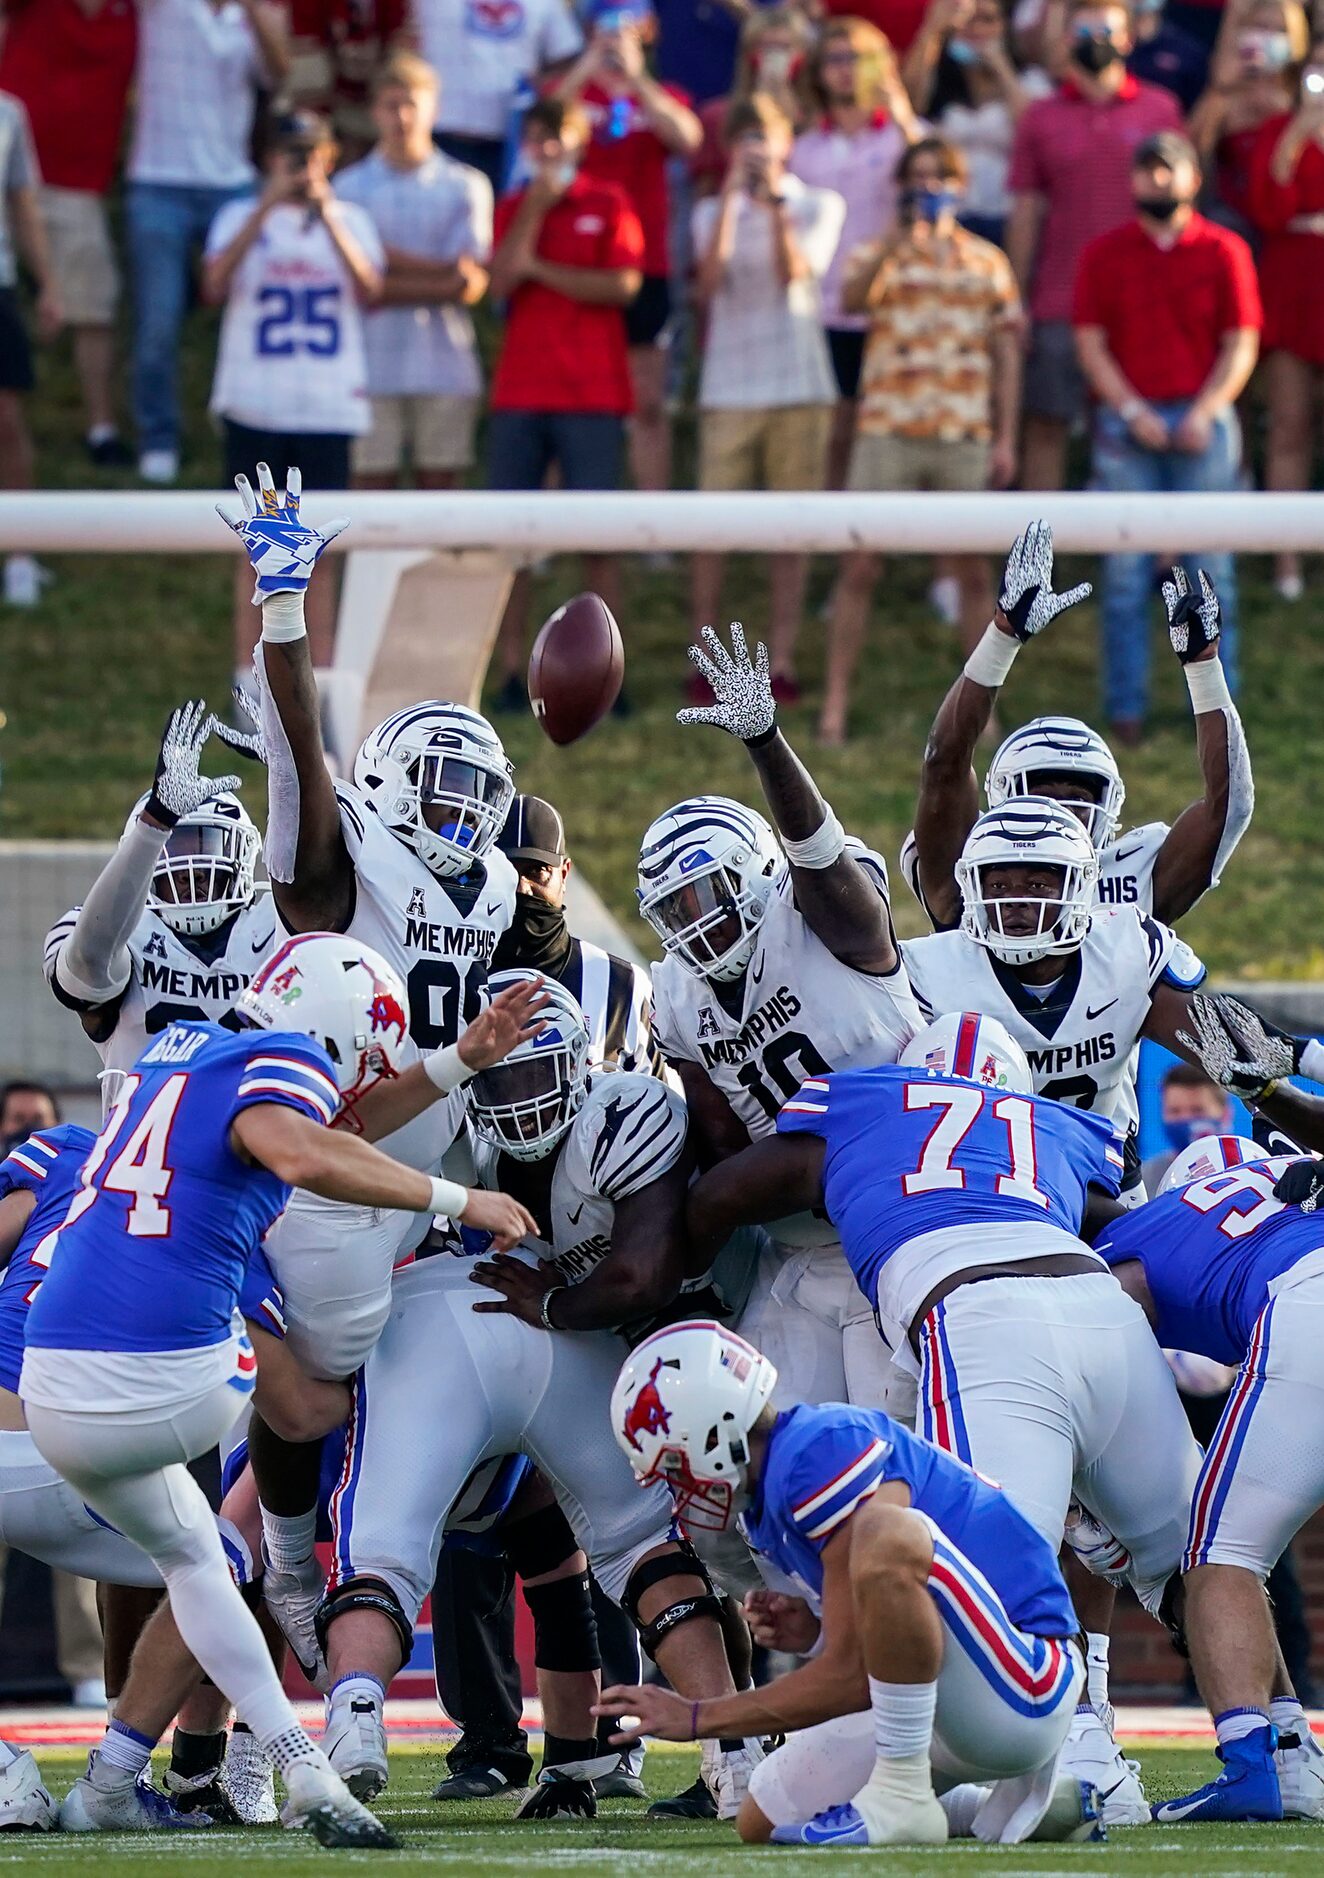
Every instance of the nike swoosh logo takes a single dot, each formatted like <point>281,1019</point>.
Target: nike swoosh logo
<point>574,1217</point>
<point>494,908</point>
<point>1125,855</point>
<point>1172,1811</point>
<point>1090,1015</point>
<point>757,976</point>
<point>260,945</point>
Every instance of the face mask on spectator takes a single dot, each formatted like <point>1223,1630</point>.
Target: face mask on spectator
<point>1262,51</point>
<point>1162,208</point>
<point>776,65</point>
<point>1180,1134</point>
<point>1094,52</point>
<point>928,202</point>
<point>963,52</point>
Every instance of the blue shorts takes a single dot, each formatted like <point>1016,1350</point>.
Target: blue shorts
<point>587,446</point>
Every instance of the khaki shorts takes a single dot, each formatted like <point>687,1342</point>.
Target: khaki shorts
<point>891,462</point>
<point>82,258</point>
<point>784,447</point>
<point>431,433</point>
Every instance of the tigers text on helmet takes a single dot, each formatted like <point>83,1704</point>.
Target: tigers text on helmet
<point>973,1048</point>
<point>707,869</point>
<point>1066,747</point>
<point>524,1104</point>
<point>1031,832</point>
<point>682,1410</point>
<point>437,776</point>
<point>1210,1155</point>
<point>205,873</point>
<point>344,996</point>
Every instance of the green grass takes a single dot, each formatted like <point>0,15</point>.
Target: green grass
<point>88,678</point>
<point>468,1841</point>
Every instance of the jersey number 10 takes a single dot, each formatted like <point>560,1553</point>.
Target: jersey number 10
<point>961,1109</point>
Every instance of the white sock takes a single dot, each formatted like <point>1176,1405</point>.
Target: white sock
<point>1096,1667</point>
<point>902,1717</point>
<point>1289,1717</point>
<point>288,1538</point>
<point>290,1747</point>
<point>121,1756</point>
<point>1234,1724</point>
<point>357,1687</point>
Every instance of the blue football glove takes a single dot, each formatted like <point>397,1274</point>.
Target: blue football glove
<point>283,549</point>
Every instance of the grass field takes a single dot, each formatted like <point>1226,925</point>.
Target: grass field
<point>89,676</point>
<point>471,1841</point>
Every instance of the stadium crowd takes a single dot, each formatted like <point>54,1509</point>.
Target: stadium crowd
<point>882,246</point>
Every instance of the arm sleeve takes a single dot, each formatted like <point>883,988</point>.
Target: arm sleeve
<point>93,963</point>
<point>1171,960</point>
<point>1240,792</point>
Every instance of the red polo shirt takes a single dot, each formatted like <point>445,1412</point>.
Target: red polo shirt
<point>73,73</point>
<point>1165,311</point>
<point>559,354</point>
<point>1076,153</point>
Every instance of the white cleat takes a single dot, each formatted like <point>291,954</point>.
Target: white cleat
<point>293,1598</point>
<point>127,1806</point>
<point>355,1743</point>
<point>250,1780</point>
<point>1092,1756</point>
<point>1074,1814</point>
<point>25,1805</point>
<point>727,1774</point>
<point>1301,1777</point>
<point>320,1801</point>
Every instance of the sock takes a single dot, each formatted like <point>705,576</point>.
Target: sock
<point>357,1687</point>
<point>902,1717</point>
<point>192,1754</point>
<point>1289,1718</point>
<point>557,1750</point>
<point>288,1538</point>
<point>290,1747</point>
<point>1096,1667</point>
<point>1234,1724</point>
<point>121,1756</point>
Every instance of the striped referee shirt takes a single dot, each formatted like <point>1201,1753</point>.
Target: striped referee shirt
<point>615,996</point>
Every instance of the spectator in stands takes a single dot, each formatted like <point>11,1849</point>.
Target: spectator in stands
<point>25,1106</point>
<point>854,147</point>
<point>1070,181</point>
<point>1191,1107</point>
<point>1164,54</point>
<point>1252,79</point>
<point>940,388</point>
<point>1287,205</point>
<point>336,47</point>
<point>775,47</point>
<point>636,125</point>
<point>200,64</point>
<point>568,261</point>
<point>69,62</point>
<point>291,267</point>
<point>897,20</point>
<point>1167,316</point>
<point>434,218</point>
<point>961,75</point>
<point>766,389</point>
<point>697,45</point>
<point>489,54</point>
<point>22,232</point>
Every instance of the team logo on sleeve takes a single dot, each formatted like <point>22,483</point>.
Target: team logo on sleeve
<point>416,908</point>
<point>647,1414</point>
<point>155,947</point>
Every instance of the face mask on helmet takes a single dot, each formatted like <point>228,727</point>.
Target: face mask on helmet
<point>438,777</point>
<point>525,1104</point>
<point>710,922</point>
<point>1028,877</point>
<point>205,873</point>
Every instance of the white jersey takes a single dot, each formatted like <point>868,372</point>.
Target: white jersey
<point>1126,869</point>
<point>172,980</point>
<point>1080,1037</point>
<point>291,354</point>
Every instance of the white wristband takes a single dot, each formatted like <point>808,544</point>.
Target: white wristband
<point>448,1197</point>
<point>282,617</point>
<point>992,658</point>
<point>826,845</point>
<point>1207,683</point>
<point>1312,1060</point>
<point>446,1068</point>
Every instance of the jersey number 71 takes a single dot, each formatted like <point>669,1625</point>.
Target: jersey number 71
<point>960,1110</point>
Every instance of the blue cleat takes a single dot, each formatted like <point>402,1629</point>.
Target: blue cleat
<point>1247,1788</point>
<point>836,1825</point>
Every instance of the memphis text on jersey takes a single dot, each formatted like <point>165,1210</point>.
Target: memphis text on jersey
<point>764,1022</point>
<point>1057,1058</point>
<point>465,942</point>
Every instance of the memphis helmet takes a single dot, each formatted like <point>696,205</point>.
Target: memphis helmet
<point>207,867</point>
<point>707,869</point>
<point>526,1103</point>
<point>1032,831</point>
<point>1063,747</point>
<point>437,776</point>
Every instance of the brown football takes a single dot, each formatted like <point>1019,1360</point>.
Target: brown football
<point>576,668</point>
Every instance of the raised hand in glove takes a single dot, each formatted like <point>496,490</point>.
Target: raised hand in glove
<point>1301,1184</point>
<point>1194,620</point>
<point>177,788</point>
<point>745,705</point>
<point>1027,601</point>
<point>1237,1048</point>
<point>249,743</point>
<point>282,547</point>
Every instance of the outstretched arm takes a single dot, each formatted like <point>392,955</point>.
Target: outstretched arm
<point>1202,839</point>
<point>840,900</point>
<point>770,1180</point>
<point>1253,1059</point>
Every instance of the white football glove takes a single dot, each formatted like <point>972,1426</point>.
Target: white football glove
<point>1193,624</point>
<point>745,705</point>
<point>283,549</point>
<point>1027,599</point>
<point>249,743</point>
<point>177,788</point>
<point>1099,1550</point>
<point>1237,1048</point>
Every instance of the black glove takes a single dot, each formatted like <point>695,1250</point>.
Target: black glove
<point>560,1796</point>
<point>1301,1184</point>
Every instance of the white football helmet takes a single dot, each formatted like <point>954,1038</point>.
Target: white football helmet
<point>682,1409</point>
<point>342,994</point>
<point>1060,746</point>
<point>973,1048</point>
<point>206,871</point>
<point>437,776</point>
<point>524,1104</point>
<point>1210,1155</point>
<point>1032,831</point>
<point>707,869</point>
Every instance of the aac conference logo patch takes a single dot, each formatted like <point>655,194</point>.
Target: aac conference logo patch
<point>494,19</point>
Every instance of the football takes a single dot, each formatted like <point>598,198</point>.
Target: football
<point>576,668</point>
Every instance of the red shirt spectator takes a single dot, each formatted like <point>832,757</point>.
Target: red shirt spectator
<point>626,152</point>
<point>561,354</point>
<point>1291,214</point>
<point>1166,311</point>
<point>337,46</point>
<point>72,69</point>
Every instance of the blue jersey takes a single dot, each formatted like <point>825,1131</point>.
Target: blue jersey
<point>47,1165</point>
<point>1210,1251</point>
<point>167,1218</point>
<point>820,1464</point>
<point>909,1154</point>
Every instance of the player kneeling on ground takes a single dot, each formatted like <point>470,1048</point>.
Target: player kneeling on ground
<point>942,1628</point>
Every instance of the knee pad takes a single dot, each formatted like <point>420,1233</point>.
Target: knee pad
<point>364,1594</point>
<point>684,1562</point>
<point>539,1543</point>
<point>565,1631</point>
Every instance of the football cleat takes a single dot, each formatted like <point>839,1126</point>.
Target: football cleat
<point>320,1801</point>
<point>695,1802</point>
<point>25,1805</point>
<point>355,1745</point>
<point>128,1806</point>
<point>1073,1816</point>
<point>1247,1788</point>
<point>477,1783</point>
<point>1300,1764</point>
<point>1092,1755</point>
<point>201,1793</point>
<point>293,1598</point>
<point>728,1774</point>
<point>622,1783</point>
<point>250,1780</point>
<point>869,1820</point>
<point>559,1795</point>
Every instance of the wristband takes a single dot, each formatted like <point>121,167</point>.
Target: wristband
<point>545,1308</point>
<point>282,616</point>
<point>448,1197</point>
<point>992,658</point>
<point>1312,1060</point>
<point>826,845</point>
<point>446,1069</point>
<point>1207,683</point>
